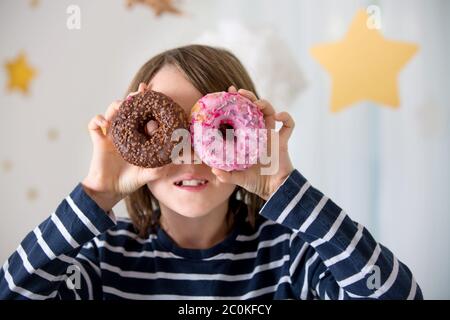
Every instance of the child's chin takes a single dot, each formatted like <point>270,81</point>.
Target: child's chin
<point>193,211</point>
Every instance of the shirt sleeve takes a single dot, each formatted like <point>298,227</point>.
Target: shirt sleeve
<point>333,257</point>
<point>58,260</point>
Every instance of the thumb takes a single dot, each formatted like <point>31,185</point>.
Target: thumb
<point>232,177</point>
<point>149,174</point>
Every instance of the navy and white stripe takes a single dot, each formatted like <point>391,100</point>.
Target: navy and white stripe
<point>303,247</point>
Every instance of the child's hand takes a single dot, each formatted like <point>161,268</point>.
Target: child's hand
<point>251,179</point>
<point>111,178</point>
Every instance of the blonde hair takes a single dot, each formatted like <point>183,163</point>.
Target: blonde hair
<point>209,70</point>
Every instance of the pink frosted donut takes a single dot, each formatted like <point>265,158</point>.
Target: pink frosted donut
<point>236,149</point>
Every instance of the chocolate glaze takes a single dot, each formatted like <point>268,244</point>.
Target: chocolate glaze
<point>128,129</point>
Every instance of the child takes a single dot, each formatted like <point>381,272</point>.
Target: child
<point>243,235</point>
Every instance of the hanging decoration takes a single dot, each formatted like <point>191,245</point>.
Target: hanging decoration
<point>364,65</point>
<point>268,59</point>
<point>159,7</point>
<point>20,74</point>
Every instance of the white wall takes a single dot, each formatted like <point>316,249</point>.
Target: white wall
<point>388,169</point>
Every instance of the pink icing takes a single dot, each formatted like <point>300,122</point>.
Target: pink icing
<point>216,109</point>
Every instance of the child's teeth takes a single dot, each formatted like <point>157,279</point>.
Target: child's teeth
<point>193,182</point>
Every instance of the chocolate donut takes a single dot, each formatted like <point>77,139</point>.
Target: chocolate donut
<point>128,128</point>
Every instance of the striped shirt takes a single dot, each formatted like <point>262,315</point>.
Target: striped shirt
<point>303,247</point>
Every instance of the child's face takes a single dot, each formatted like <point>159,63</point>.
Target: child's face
<point>187,201</point>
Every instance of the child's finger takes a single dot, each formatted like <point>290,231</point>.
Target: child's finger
<point>288,125</point>
<point>248,94</point>
<point>142,87</point>
<point>97,127</point>
<point>112,109</point>
<point>233,177</point>
<point>232,89</point>
<point>268,112</point>
<point>150,174</point>
<point>266,107</point>
<point>132,94</point>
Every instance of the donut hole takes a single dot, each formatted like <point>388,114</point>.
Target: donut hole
<point>150,127</point>
<point>223,130</point>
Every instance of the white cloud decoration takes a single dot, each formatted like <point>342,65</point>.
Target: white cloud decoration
<point>265,55</point>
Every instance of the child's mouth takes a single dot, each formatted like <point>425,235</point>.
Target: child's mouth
<point>191,184</point>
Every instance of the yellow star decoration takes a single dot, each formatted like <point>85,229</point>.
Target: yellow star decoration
<point>53,134</point>
<point>6,165</point>
<point>32,194</point>
<point>363,65</point>
<point>20,73</point>
<point>34,3</point>
<point>158,6</point>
